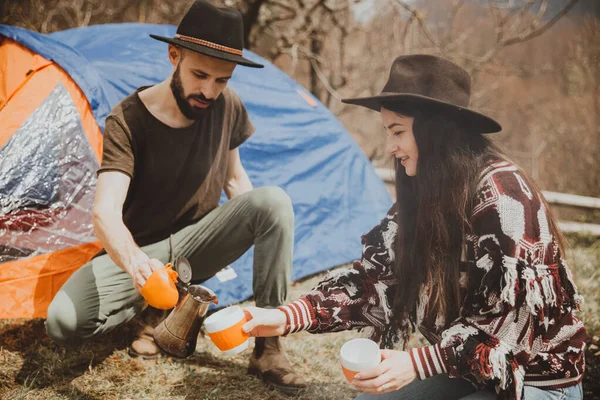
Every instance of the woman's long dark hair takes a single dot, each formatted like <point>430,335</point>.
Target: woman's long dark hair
<point>434,208</point>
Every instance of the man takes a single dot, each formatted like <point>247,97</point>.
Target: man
<point>169,151</point>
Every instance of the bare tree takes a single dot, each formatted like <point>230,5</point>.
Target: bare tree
<point>317,31</point>
<point>476,35</point>
<point>314,31</point>
<point>322,45</point>
<point>53,15</point>
<point>309,31</point>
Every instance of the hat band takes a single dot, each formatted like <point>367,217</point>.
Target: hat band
<point>208,44</point>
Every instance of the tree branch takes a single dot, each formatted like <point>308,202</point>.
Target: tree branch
<point>419,17</point>
<point>250,17</point>
<point>541,30</point>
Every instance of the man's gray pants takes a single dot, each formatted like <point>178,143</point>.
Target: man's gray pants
<point>100,296</point>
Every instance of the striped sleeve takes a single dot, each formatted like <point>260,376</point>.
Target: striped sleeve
<point>300,315</point>
<point>429,361</point>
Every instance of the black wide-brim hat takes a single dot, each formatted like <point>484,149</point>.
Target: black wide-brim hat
<point>215,32</point>
<point>430,80</point>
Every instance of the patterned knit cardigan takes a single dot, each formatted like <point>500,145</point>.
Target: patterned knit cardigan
<point>518,323</point>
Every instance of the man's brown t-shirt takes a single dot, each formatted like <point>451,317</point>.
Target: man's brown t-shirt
<point>177,175</point>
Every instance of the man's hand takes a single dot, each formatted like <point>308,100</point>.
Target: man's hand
<point>395,371</point>
<point>264,322</point>
<point>141,271</point>
<point>236,179</point>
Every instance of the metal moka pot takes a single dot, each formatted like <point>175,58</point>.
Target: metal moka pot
<point>178,333</point>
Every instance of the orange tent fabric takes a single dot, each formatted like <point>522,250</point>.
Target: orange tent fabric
<point>26,79</point>
<point>28,284</point>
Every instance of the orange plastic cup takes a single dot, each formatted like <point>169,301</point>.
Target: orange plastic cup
<point>359,355</point>
<point>225,330</point>
<point>160,291</point>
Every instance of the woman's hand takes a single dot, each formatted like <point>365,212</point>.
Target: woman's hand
<point>263,322</point>
<point>395,371</point>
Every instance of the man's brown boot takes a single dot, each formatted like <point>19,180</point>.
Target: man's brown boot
<point>143,345</point>
<point>269,363</point>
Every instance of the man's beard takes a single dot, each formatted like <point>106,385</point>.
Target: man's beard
<point>188,110</point>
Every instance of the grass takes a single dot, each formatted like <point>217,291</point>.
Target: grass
<point>32,367</point>
<point>584,259</point>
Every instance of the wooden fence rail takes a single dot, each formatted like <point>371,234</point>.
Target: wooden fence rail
<point>563,199</point>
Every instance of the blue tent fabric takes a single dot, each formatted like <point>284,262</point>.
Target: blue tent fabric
<point>336,194</point>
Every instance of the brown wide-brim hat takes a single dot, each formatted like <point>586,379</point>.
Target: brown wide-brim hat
<point>215,32</point>
<point>430,80</point>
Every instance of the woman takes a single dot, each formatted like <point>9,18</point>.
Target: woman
<point>469,254</point>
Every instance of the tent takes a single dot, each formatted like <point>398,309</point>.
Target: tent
<point>55,93</point>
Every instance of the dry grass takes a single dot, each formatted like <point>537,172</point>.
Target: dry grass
<point>584,258</point>
<point>585,261</point>
<point>31,367</point>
